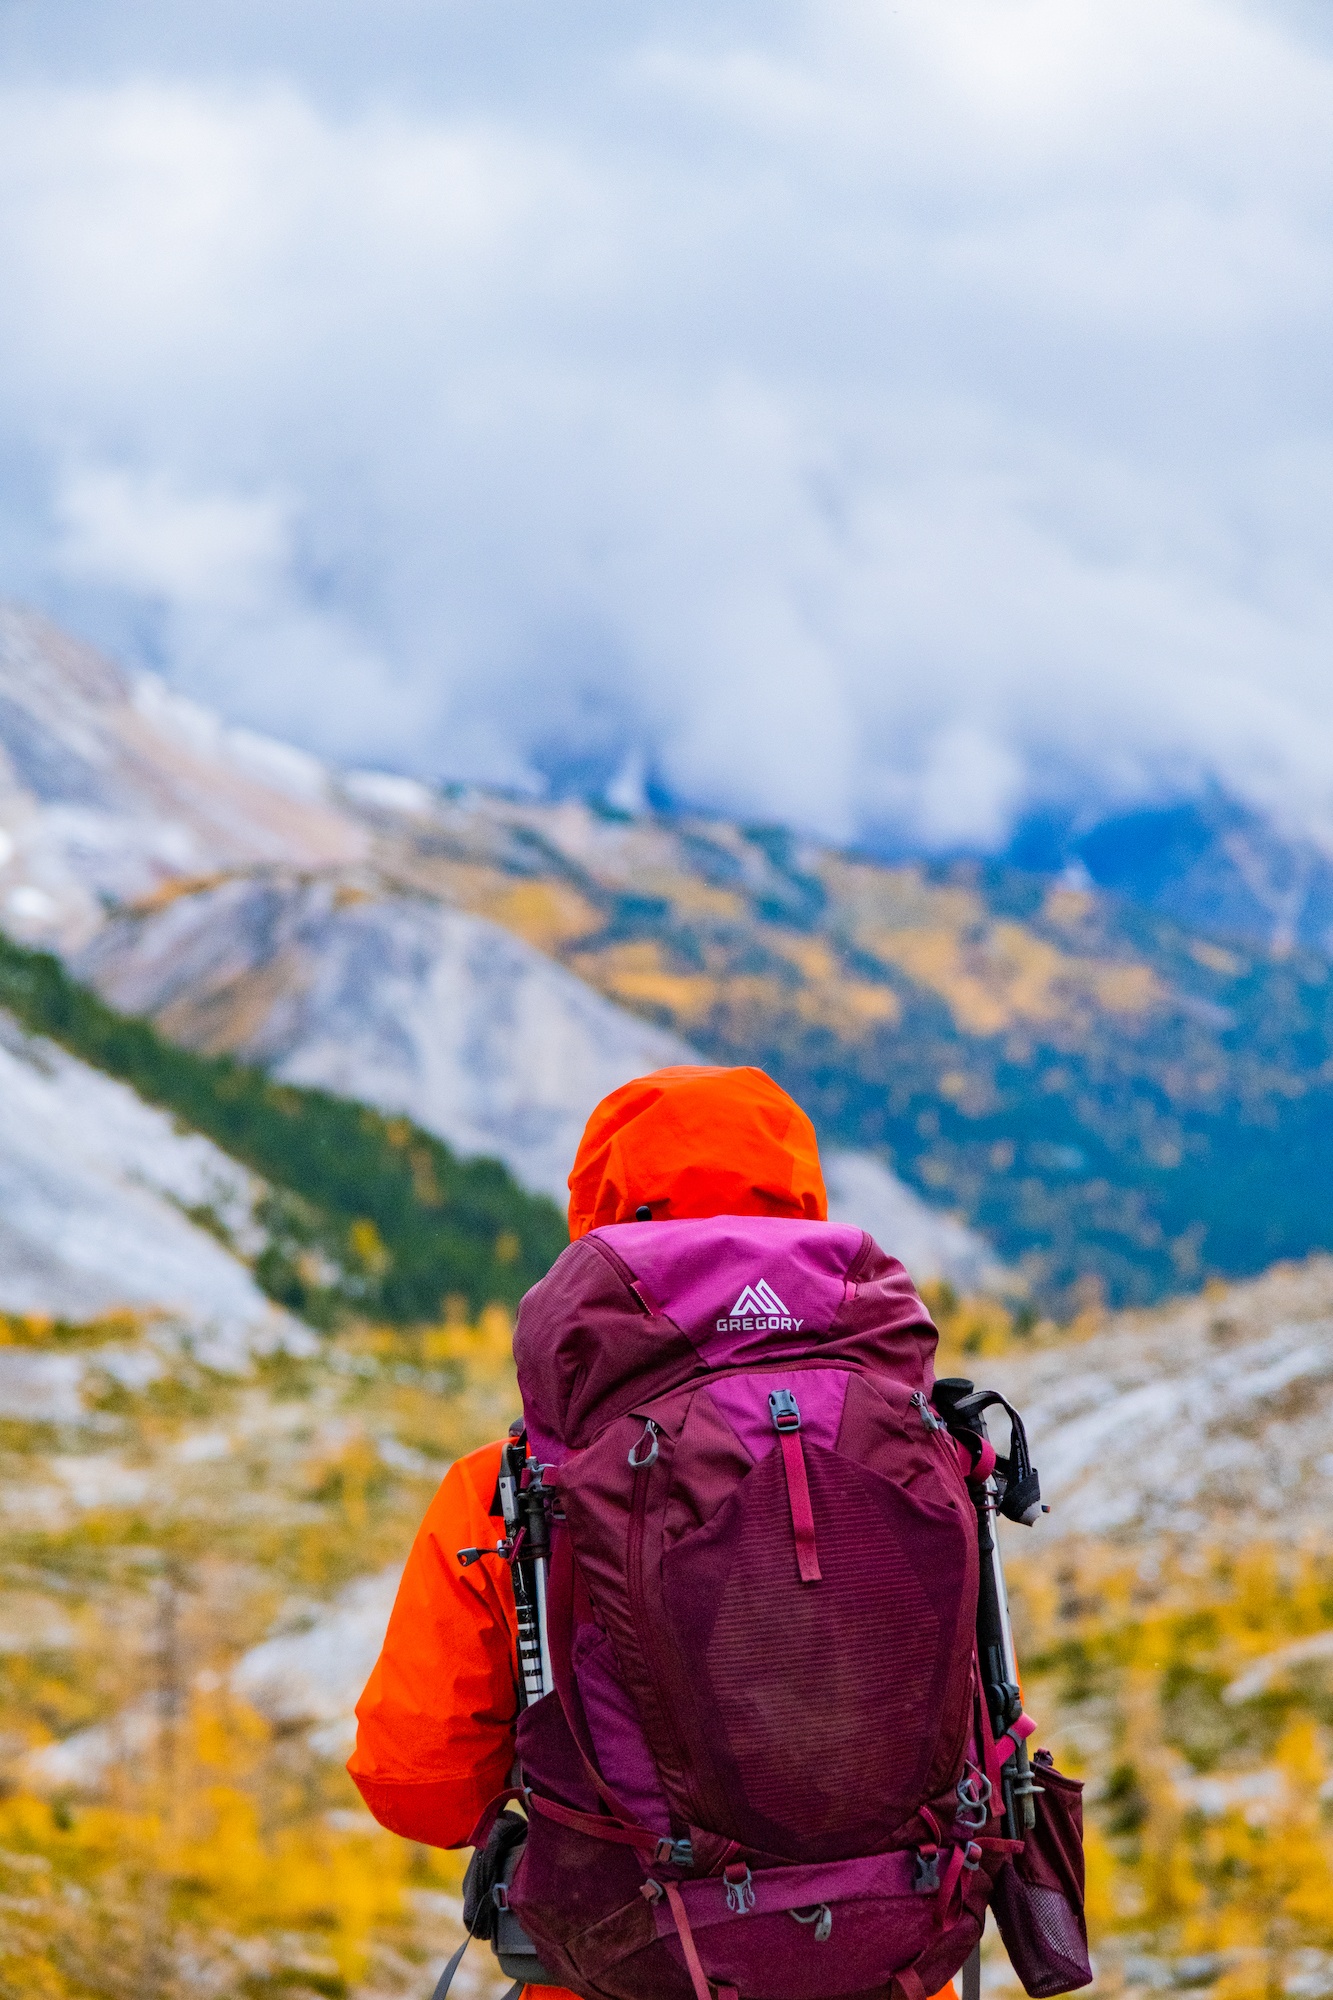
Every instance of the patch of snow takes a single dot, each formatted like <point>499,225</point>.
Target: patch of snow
<point>92,1185</point>
<point>40,1388</point>
<point>317,1675</point>
<point>388,792</point>
<point>1260,1675</point>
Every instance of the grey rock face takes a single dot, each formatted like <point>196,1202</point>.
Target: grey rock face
<point>393,999</point>
<point>1217,1413</point>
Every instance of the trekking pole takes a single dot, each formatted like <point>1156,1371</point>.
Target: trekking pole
<point>527,1549</point>
<point>1008,1486</point>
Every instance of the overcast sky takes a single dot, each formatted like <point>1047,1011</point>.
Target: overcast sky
<point>875,416</point>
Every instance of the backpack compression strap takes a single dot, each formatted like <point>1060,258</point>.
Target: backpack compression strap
<point>786,1415</point>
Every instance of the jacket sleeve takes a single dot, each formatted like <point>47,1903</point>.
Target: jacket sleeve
<point>435,1725</point>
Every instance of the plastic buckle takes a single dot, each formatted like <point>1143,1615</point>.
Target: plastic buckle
<point>818,1914</point>
<point>740,1888</point>
<point>500,1895</point>
<point>784,1410</point>
<point>971,1855</point>
<point>927,1880</point>
<point>674,1853</point>
<point>974,1796</point>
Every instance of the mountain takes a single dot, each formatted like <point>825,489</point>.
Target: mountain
<point>356,1215</point>
<point>111,785</point>
<point>234,888</point>
<point>1118,1104</point>
<point>1210,863</point>
<point>395,999</point>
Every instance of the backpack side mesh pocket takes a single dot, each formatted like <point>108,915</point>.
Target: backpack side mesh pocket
<point>1038,1896</point>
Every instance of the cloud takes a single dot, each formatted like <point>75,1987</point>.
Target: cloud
<point>879,417</point>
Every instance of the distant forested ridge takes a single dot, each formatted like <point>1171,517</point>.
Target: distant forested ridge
<point>1121,1105</point>
<point>366,1213</point>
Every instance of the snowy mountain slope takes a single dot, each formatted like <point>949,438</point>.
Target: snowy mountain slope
<point>94,1185</point>
<point>1218,1412</point>
<point>266,906</point>
<point>111,785</point>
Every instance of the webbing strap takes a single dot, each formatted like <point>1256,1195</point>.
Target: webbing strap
<point>698,1976</point>
<point>952,1872</point>
<point>985,1739</point>
<point>446,1978</point>
<point>802,1513</point>
<point>616,1831</point>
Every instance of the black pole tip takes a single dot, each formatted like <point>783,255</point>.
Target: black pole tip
<point>643,1213</point>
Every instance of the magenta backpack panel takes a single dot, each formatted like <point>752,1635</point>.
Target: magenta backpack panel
<point>717,1279</point>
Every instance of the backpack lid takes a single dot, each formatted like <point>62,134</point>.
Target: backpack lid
<point>634,1309</point>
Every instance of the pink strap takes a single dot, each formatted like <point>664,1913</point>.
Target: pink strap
<point>616,1831</point>
<point>697,1974</point>
<point>1015,1734</point>
<point>802,1513</point>
<point>481,1832</point>
<point>980,1467</point>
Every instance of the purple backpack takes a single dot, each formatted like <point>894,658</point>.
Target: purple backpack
<point>767,1768</point>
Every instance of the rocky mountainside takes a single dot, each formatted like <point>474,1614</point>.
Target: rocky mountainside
<point>259,921</point>
<point>1118,1105</point>
<point>110,786</point>
<point>1211,1417</point>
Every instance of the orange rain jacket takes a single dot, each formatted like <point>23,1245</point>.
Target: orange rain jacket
<point>435,1725</point>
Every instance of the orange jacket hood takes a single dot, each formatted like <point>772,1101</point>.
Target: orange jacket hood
<point>696,1141</point>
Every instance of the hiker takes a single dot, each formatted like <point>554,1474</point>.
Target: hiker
<point>435,1736</point>
<point>819,1699</point>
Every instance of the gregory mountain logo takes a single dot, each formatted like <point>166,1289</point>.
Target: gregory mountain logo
<point>760,1298</point>
<point>758,1309</point>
